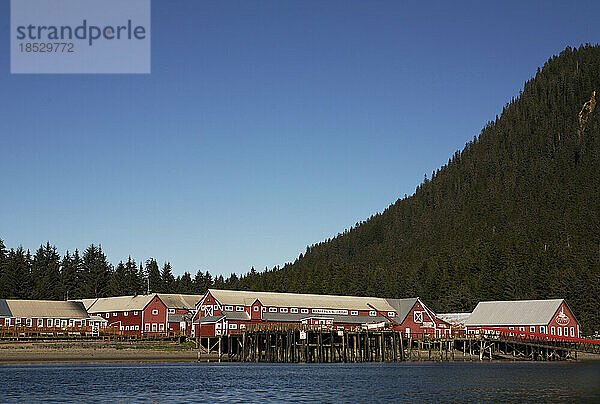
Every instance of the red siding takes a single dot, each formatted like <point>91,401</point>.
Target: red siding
<point>155,320</point>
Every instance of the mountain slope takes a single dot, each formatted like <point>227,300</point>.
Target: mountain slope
<point>515,214</point>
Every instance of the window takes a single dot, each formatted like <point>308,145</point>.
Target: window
<point>552,330</point>
<point>137,327</point>
<point>256,308</point>
<point>107,315</point>
<point>154,327</point>
<point>304,311</point>
<point>391,313</point>
<point>7,321</point>
<point>521,328</point>
<point>154,312</point>
<point>18,321</point>
<point>126,313</point>
<point>242,326</point>
<point>218,326</point>
<point>28,322</point>
<point>233,326</point>
<point>354,313</point>
<point>40,322</point>
<point>171,311</point>
<point>71,323</point>
<point>272,309</point>
<point>418,316</point>
<point>161,327</point>
<point>532,329</point>
<point>264,309</point>
<point>239,308</point>
<point>114,314</point>
<point>283,310</point>
<point>559,331</point>
<point>135,313</point>
<point>147,325</point>
<point>228,308</point>
<point>542,329</point>
<point>566,334</point>
<point>50,322</point>
<point>572,331</point>
<point>293,310</point>
<point>372,313</point>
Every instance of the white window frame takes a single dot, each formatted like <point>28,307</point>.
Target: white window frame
<point>264,309</point>
<point>135,313</point>
<point>572,331</point>
<point>372,313</point>
<point>28,322</point>
<point>125,313</point>
<point>233,326</point>
<point>354,313</point>
<point>304,311</point>
<point>532,328</point>
<point>418,317</point>
<point>239,308</point>
<point>283,310</point>
<point>40,322</point>
<point>521,328</point>
<point>161,327</point>
<point>542,329</point>
<point>115,314</point>
<point>228,308</point>
<point>272,309</point>
<point>566,331</point>
<point>553,330</point>
<point>559,329</point>
<point>107,315</point>
<point>171,311</point>
<point>256,308</point>
<point>50,322</point>
<point>391,314</point>
<point>218,326</point>
<point>294,310</point>
<point>155,312</point>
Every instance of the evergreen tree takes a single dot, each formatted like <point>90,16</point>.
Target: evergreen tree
<point>167,279</point>
<point>45,272</point>
<point>96,273</point>
<point>153,275</point>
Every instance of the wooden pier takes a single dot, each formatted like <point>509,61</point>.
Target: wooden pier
<point>322,345</point>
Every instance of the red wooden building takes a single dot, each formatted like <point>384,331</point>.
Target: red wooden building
<point>43,313</point>
<point>552,317</point>
<point>142,314</point>
<point>221,312</point>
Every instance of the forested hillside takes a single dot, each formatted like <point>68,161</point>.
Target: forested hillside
<point>514,215</point>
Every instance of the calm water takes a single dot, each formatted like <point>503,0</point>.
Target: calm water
<point>423,382</point>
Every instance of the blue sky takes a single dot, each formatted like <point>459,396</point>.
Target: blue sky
<point>264,126</point>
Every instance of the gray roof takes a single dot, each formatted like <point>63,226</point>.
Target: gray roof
<point>175,318</point>
<point>455,319</point>
<point>4,310</point>
<point>210,319</point>
<point>236,315</point>
<point>402,307</point>
<point>179,301</point>
<point>510,313</point>
<point>118,303</point>
<point>46,308</point>
<point>245,298</point>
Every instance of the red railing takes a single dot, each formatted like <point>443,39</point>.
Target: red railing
<point>546,337</point>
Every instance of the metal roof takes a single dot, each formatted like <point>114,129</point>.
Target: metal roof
<point>120,303</point>
<point>402,307</point>
<point>517,312</point>
<point>455,319</point>
<point>245,298</point>
<point>86,302</point>
<point>4,310</point>
<point>46,308</point>
<point>179,301</point>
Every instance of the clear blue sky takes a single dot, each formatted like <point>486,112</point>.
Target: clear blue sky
<point>264,126</point>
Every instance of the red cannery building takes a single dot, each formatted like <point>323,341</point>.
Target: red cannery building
<point>43,313</point>
<point>142,314</point>
<point>553,317</point>
<point>220,312</point>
